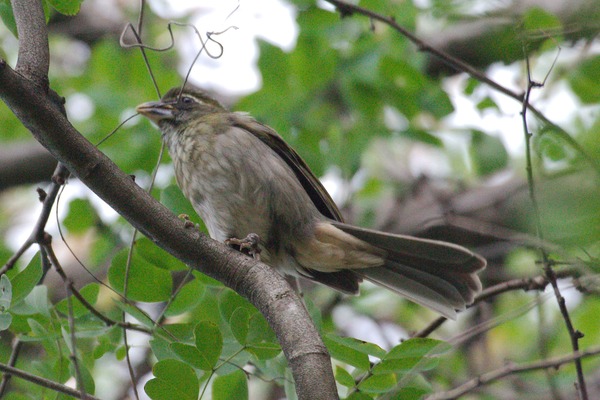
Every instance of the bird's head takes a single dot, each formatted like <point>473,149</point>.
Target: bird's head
<point>179,108</point>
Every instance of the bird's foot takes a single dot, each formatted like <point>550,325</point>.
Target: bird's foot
<point>247,245</point>
<point>187,222</point>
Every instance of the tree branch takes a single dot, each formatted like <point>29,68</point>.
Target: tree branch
<point>512,368</point>
<point>38,380</point>
<point>34,53</point>
<point>459,65</point>
<point>260,284</point>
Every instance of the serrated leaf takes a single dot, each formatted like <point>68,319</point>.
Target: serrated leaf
<point>173,380</point>
<point>230,386</point>
<point>209,342</point>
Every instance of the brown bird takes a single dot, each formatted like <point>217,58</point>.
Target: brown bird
<point>243,179</point>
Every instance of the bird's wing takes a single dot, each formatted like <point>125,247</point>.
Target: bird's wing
<point>309,181</point>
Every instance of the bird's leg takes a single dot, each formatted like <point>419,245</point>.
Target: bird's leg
<point>247,245</point>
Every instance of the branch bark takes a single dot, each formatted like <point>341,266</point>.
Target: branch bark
<point>261,285</point>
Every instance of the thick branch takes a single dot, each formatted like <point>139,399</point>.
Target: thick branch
<point>266,289</point>
<point>34,53</point>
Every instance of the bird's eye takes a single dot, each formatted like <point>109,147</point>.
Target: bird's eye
<point>187,100</point>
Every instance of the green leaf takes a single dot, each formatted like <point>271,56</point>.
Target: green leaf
<point>345,353</point>
<point>173,380</point>
<point>5,293</point>
<point>81,216</point>
<point>174,200</point>
<point>5,321</point>
<point>136,313</point>
<point>585,80</point>
<point>146,282</point>
<point>343,377</point>
<point>86,376</point>
<point>36,302</point>
<point>550,147</point>
<point>24,282</point>
<point>7,16</point>
<point>161,349</point>
<point>230,386</point>
<point>486,103</point>
<point>404,365</point>
<point>210,343</point>
<point>414,355</point>
<point>362,396</point>
<point>239,323</point>
<point>378,383</point>
<point>488,153</point>
<point>359,345</point>
<point>418,347</point>
<point>66,7</point>
<point>89,293</point>
<point>230,301</point>
<point>156,256</point>
<point>264,350</point>
<point>187,298</point>
<point>190,355</point>
<point>537,18</point>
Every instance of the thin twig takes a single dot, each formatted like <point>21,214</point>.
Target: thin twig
<point>574,334</point>
<point>37,234</point>
<point>12,361</point>
<point>48,252</point>
<point>456,63</point>
<point>510,369</point>
<point>538,283</point>
<point>38,380</point>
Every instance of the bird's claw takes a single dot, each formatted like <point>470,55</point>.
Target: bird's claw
<point>247,245</point>
<point>187,222</point>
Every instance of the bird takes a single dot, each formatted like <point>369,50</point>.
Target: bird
<point>248,185</point>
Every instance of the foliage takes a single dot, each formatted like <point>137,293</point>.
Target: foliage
<point>344,88</point>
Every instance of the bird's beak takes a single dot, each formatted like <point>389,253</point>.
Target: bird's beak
<point>156,111</point>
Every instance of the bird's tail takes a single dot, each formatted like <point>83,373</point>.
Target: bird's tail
<point>438,275</point>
